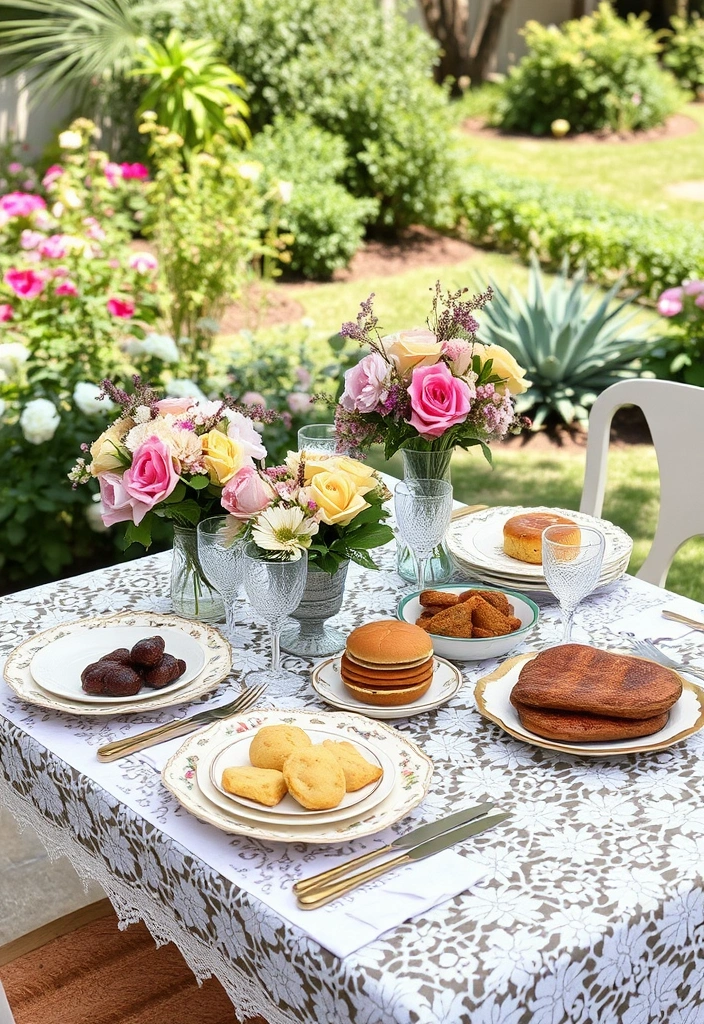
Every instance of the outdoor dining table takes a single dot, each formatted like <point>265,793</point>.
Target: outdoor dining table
<point>591,905</point>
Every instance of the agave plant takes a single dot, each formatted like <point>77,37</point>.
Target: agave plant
<point>572,345</point>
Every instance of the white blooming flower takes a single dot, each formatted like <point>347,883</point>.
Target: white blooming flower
<point>70,140</point>
<point>3,406</point>
<point>85,396</point>
<point>94,515</point>
<point>249,171</point>
<point>285,191</point>
<point>161,346</point>
<point>142,414</point>
<point>240,428</point>
<point>12,355</point>
<point>184,389</point>
<point>308,322</point>
<point>39,420</point>
<point>287,530</point>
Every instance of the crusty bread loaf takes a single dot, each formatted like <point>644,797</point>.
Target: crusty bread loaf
<point>389,642</point>
<point>523,534</point>
<point>573,727</point>
<point>577,678</point>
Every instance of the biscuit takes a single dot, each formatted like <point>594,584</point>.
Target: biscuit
<point>314,777</point>
<point>264,785</point>
<point>358,771</point>
<point>273,743</point>
<point>438,598</point>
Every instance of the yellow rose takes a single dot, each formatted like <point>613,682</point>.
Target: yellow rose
<point>504,366</point>
<point>222,456</point>
<point>363,476</point>
<point>336,496</point>
<point>407,349</point>
<point>103,451</point>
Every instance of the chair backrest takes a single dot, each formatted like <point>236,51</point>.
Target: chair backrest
<point>675,416</point>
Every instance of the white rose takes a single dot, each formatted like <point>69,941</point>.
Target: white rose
<point>12,355</point>
<point>85,397</point>
<point>39,420</point>
<point>161,346</point>
<point>184,389</point>
<point>70,140</point>
<point>94,516</point>
<point>285,190</point>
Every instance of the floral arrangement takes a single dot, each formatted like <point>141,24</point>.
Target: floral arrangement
<point>329,505</point>
<point>431,387</point>
<point>168,458</point>
<point>679,355</point>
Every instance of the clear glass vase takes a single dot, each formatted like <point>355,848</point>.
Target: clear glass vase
<point>310,635</point>
<point>191,594</point>
<point>425,465</point>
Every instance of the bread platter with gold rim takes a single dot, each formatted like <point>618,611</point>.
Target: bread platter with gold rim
<point>580,692</point>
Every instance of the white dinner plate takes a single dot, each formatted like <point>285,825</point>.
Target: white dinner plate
<point>328,684</point>
<point>57,667</point>
<point>236,754</point>
<point>493,693</point>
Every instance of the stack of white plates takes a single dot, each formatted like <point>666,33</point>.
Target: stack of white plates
<point>194,776</point>
<point>476,543</point>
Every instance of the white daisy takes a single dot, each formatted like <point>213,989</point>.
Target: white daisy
<point>285,530</point>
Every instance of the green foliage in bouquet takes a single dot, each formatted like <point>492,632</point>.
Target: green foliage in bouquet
<point>683,55</point>
<point>597,72</point>
<point>571,346</point>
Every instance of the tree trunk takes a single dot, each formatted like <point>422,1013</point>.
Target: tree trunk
<point>460,56</point>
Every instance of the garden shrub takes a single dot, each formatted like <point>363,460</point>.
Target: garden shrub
<point>354,76</point>
<point>683,55</point>
<point>598,72</point>
<point>679,354</point>
<point>521,215</point>
<point>325,220</point>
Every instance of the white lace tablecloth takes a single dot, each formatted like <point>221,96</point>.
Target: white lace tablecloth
<point>592,908</point>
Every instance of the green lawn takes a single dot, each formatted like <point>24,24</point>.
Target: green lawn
<point>634,174</point>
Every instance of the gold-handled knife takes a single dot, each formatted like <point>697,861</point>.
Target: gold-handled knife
<point>466,510</point>
<point>676,617</point>
<point>404,842</point>
<point>319,897</point>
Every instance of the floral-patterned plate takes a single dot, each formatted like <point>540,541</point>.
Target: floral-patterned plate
<point>216,651</point>
<point>413,771</point>
<point>493,693</point>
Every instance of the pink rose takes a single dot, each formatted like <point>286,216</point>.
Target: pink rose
<point>151,477</point>
<point>298,402</point>
<point>25,283</point>
<point>143,262</point>
<point>246,493</point>
<point>113,172</point>
<point>6,312</point>
<point>175,406</point>
<point>117,504</point>
<point>366,384</point>
<point>15,168</point>
<point>138,171</point>
<point>459,353</point>
<point>53,248</point>
<point>693,288</point>
<point>53,173</point>
<point>670,302</point>
<point>66,288</point>
<point>122,308</point>
<point>21,204</point>
<point>438,400</point>
<point>30,239</point>
<point>253,398</point>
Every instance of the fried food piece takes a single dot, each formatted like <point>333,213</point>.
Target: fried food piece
<point>272,744</point>
<point>481,634</point>
<point>315,778</point>
<point>438,598</point>
<point>122,656</point>
<point>455,621</point>
<point>431,610</point>
<point>110,679</point>
<point>265,785</point>
<point>358,771</point>
<point>148,652</point>
<point>167,671</point>
<point>486,616</point>
<point>493,597</point>
<point>424,622</point>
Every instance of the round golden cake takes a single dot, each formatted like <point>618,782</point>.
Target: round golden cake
<point>523,534</point>
<point>389,643</point>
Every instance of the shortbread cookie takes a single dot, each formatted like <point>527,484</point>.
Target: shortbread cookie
<point>314,778</point>
<point>358,771</point>
<point>265,785</point>
<point>273,743</point>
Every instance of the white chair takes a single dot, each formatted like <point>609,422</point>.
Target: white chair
<point>675,416</point>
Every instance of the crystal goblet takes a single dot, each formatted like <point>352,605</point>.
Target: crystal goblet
<point>572,569</point>
<point>220,552</point>
<point>423,511</point>
<point>274,589</point>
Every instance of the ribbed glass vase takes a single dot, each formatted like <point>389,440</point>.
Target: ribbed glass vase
<point>191,594</point>
<point>310,635</point>
<point>425,465</point>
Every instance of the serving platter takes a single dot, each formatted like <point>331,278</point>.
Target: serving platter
<point>492,694</point>
<point>217,664</point>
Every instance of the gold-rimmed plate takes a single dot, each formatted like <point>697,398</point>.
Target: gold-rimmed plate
<point>493,692</point>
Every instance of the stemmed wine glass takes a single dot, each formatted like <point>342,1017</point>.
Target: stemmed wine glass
<point>274,590</point>
<point>423,511</point>
<point>221,551</point>
<point>572,568</point>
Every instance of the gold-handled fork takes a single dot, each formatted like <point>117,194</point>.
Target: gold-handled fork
<point>130,744</point>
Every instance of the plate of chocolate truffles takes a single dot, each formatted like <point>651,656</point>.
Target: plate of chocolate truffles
<point>114,663</point>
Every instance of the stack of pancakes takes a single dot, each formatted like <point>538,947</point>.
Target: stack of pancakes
<point>387,663</point>
<point>580,694</point>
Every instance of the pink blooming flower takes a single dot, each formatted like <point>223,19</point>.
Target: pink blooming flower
<point>93,229</point>
<point>693,288</point>
<point>151,477</point>
<point>15,168</point>
<point>113,172</point>
<point>298,402</point>
<point>699,301</point>
<point>241,429</point>
<point>143,262</point>
<point>53,248</point>
<point>253,398</point>
<point>30,239</point>
<point>60,271</point>
<point>137,171</point>
<point>366,384</point>
<point>118,504</point>
<point>246,493</point>
<point>670,302</point>
<point>25,283</point>
<point>122,308</point>
<point>438,400</point>
<point>6,312</point>
<point>114,264</point>
<point>21,204</point>
<point>66,288</point>
<point>53,174</point>
<point>176,406</point>
<point>459,353</point>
